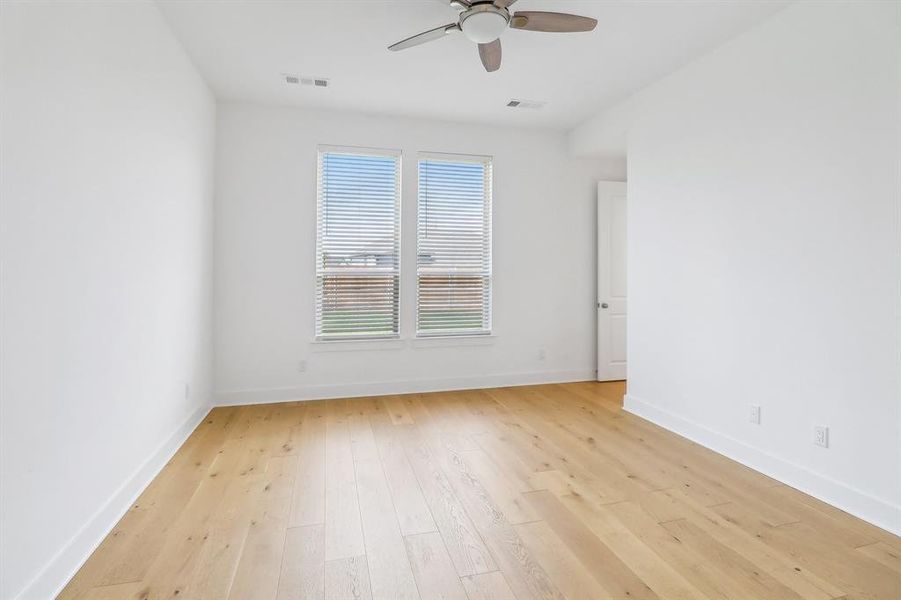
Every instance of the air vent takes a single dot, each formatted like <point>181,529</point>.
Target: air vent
<point>519,103</point>
<point>292,79</point>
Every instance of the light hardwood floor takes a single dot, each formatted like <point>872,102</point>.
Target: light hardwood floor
<point>530,492</point>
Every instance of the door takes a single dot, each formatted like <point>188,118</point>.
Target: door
<point>611,305</point>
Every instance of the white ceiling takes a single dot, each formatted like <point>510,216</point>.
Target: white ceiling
<point>243,46</point>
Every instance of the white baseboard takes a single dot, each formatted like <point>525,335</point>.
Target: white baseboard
<point>382,388</point>
<point>874,510</point>
<point>62,567</point>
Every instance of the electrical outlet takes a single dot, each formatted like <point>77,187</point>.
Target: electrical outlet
<point>541,354</point>
<point>187,391</point>
<point>301,366</point>
<point>754,414</point>
<point>821,435</point>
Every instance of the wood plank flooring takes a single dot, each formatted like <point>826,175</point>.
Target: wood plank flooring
<point>546,491</point>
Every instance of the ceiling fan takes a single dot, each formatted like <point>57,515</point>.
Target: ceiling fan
<point>483,22</point>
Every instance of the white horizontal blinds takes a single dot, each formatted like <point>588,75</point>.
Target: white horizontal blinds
<point>357,244</point>
<point>454,246</point>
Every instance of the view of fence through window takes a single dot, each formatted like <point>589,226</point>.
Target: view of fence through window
<point>454,245</point>
<point>357,244</point>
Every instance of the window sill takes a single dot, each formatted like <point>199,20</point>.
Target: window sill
<point>357,345</point>
<point>437,341</point>
<point>448,341</point>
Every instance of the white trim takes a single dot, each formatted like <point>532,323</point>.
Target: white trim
<point>357,344</point>
<point>382,388</point>
<point>877,511</point>
<point>448,341</point>
<point>395,343</point>
<point>482,159</point>
<point>359,150</point>
<point>51,579</point>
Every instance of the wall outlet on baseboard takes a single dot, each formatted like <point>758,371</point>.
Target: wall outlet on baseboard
<point>541,354</point>
<point>754,414</point>
<point>821,435</point>
<point>301,366</point>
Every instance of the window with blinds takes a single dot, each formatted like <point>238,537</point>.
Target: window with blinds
<point>454,246</point>
<point>357,243</point>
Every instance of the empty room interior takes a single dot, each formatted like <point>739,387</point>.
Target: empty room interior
<point>450,299</point>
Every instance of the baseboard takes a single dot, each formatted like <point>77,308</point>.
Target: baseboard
<point>383,388</point>
<point>62,567</point>
<point>874,510</point>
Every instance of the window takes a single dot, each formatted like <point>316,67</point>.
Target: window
<point>357,243</point>
<point>454,246</point>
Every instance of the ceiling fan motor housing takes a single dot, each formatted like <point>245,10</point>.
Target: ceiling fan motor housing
<point>483,23</point>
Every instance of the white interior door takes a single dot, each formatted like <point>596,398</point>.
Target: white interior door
<point>611,305</point>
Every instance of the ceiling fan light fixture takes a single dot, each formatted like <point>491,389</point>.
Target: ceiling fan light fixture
<point>484,23</point>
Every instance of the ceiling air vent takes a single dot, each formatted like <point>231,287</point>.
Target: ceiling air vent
<point>533,104</point>
<point>292,79</point>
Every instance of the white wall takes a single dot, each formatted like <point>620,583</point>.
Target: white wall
<point>765,251</point>
<point>107,147</point>
<point>544,275</point>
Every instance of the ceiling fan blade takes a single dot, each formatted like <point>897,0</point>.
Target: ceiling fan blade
<point>425,36</point>
<point>533,20</point>
<point>503,3</point>
<point>458,3</point>
<point>491,55</point>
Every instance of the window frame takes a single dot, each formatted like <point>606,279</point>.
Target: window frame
<point>488,184</point>
<point>397,154</point>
